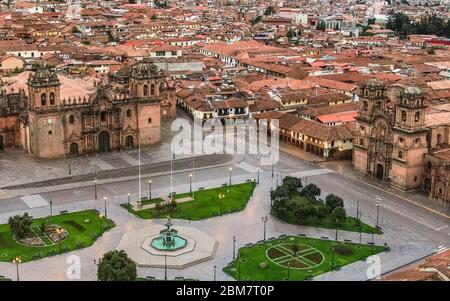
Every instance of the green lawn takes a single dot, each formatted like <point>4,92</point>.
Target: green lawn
<point>312,257</point>
<point>206,203</point>
<point>81,234</point>
<point>351,224</point>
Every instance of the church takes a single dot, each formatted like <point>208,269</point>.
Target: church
<point>121,113</point>
<point>402,140</point>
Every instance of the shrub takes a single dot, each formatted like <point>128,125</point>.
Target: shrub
<point>338,215</point>
<point>332,201</point>
<point>116,266</point>
<point>20,225</point>
<point>343,250</point>
<point>310,190</point>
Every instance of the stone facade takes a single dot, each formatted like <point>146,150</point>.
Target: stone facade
<point>118,115</point>
<point>393,142</point>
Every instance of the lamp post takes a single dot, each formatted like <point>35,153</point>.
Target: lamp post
<point>289,270</point>
<point>59,231</point>
<point>95,188</point>
<point>264,220</point>
<point>272,168</point>
<point>230,169</point>
<point>106,212</point>
<point>128,200</point>
<point>165,267</point>
<point>101,224</point>
<point>234,247</point>
<point>281,177</point>
<point>149,189</point>
<point>17,261</point>
<point>221,197</point>
<point>214,277</point>
<point>332,257</point>
<point>190,183</point>
<point>378,204</point>
<point>336,238</point>
<point>257,181</point>
<point>277,182</point>
<point>373,243</point>
<point>51,208</point>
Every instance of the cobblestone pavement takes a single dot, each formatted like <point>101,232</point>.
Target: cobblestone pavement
<point>410,231</point>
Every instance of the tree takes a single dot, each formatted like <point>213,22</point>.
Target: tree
<point>338,215</point>
<point>269,11</point>
<point>332,201</point>
<point>293,185</point>
<point>303,211</point>
<point>20,225</point>
<point>158,208</point>
<point>281,201</point>
<point>310,190</point>
<point>154,17</point>
<point>116,266</point>
<point>290,34</point>
<point>256,20</point>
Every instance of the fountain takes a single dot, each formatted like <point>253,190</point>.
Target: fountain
<point>168,240</point>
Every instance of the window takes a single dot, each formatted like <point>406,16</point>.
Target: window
<point>161,87</point>
<point>417,116</point>
<point>49,132</point>
<point>429,164</point>
<point>152,89</point>
<point>71,119</point>
<point>174,53</point>
<point>128,112</point>
<point>103,116</point>
<point>439,137</point>
<point>361,141</point>
<point>365,105</point>
<point>160,53</point>
<point>400,154</point>
<point>400,139</point>
<point>145,92</point>
<point>403,115</point>
<point>43,99</point>
<point>417,140</point>
<point>415,178</point>
<point>52,98</point>
<point>149,120</point>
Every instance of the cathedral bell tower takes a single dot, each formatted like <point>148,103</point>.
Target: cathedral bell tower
<point>373,98</point>
<point>45,128</point>
<point>410,139</point>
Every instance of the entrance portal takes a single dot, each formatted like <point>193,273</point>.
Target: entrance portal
<point>380,171</point>
<point>103,142</point>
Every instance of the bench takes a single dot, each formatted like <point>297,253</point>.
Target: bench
<point>324,238</point>
<point>64,212</point>
<point>179,278</point>
<point>370,243</point>
<point>224,184</point>
<point>248,245</point>
<point>151,278</point>
<point>51,253</point>
<point>347,240</point>
<point>282,235</point>
<point>260,241</point>
<point>301,234</point>
<point>271,238</point>
<point>201,188</point>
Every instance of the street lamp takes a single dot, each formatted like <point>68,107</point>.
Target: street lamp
<point>165,267</point>
<point>272,168</point>
<point>190,183</point>
<point>264,220</point>
<point>336,238</point>
<point>277,182</point>
<point>234,247</point>
<point>332,257</point>
<point>17,261</point>
<point>221,197</point>
<point>51,208</point>
<point>289,270</point>
<point>101,224</point>
<point>230,169</point>
<point>149,189</point>
<point>214,277</point>
<point>378,204</point>
<point>128,200</point>
<point>257,181</point>
<point>104,199</point>
<point>59,231</point>
<point>95,188</point>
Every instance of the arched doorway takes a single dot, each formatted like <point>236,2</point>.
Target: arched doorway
<point>380,171</point>
<point>73,150</point>
<point>103,142</point>
<point>129,142</point>
<point>2,146</point>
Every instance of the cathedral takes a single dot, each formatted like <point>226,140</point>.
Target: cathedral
<point>403,141</point>
<point>120,114</point>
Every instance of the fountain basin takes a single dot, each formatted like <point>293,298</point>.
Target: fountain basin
<point>178,243</point>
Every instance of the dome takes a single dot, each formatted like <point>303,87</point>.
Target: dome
<point>373,83</point>
<point>144,70</point>
<point>412,90</point>
<point>43,76</point>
